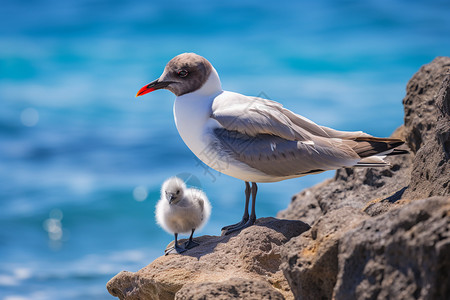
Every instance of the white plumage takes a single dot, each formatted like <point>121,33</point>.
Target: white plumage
<point>182,210</point>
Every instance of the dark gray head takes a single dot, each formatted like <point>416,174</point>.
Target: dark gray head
<point>173,190</point>
<point>185,73</point>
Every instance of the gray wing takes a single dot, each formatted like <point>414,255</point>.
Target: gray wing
<point>267,137</point>
<point>253,115</point>
<point>276,156</point>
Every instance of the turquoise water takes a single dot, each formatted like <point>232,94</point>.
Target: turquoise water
<point>82,159</point>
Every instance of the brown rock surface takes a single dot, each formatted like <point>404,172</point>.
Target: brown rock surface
<point>252,254</point>
<point>403,254</point>
<point>399,248</point>
<point>421,111</point>
<point>427,122</point>
<point>234,288</point>
<point>310,261</point>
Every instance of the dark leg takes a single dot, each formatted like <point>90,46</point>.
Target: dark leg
<point>253,213</point>
<point>245,216</point>
<point>175,249</point>
<point>191,244</point>
<point>251,220</point>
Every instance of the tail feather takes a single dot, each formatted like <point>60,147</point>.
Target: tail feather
<point>373,150</point>
<point>369,146</point>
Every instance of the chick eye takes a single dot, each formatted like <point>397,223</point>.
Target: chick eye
<point>178,192</point>
<point>183,73</point>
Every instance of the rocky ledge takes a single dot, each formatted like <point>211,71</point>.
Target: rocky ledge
<point>244,265</point>
<point>372,233</point>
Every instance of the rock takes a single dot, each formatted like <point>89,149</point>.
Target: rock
<point>318,267</point>
<point>304,206</point>
<point>403,254</point>
<point>421,112</point>
<point>310,261</point>
<point>427,121</point>
<point>252,255</point>
<point>234,288</point>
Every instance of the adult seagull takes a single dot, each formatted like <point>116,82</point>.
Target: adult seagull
<point>255,139</point>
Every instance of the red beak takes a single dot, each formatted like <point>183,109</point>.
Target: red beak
<point>144,90</point>
<point>152,86</point>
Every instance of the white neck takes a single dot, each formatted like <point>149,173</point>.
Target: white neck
<point>193,110</point>
<point>211,87</point>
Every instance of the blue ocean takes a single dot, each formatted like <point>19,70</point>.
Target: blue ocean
<point>82,160</point>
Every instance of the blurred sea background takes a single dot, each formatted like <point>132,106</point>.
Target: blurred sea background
<point>82,160</point>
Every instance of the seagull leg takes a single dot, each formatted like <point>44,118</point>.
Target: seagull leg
<point>191,244</point>
<point>251,220</point>
<point>175,249</point>
<point>245,216</point>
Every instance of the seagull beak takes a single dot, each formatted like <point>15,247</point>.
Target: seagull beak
<point>153,86</point>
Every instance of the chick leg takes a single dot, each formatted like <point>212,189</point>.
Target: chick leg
<point>175,249</point>
<point>191,244</point>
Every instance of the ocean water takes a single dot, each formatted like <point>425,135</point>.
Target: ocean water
<point>82,160</point>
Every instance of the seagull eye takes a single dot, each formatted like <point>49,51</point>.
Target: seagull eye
<point>183,73</point>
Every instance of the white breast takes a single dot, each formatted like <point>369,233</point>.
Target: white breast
<point>192,113</point>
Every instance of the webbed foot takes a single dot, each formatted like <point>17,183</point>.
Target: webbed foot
<point>174,250</point>
<point>242,222</point>
<point>249,223</point>
<point>190,244</point>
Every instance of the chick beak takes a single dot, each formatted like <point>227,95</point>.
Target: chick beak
<point>171,197</point>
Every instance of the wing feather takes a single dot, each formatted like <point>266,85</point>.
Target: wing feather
<point>253,115</point>
<point>268,137</point>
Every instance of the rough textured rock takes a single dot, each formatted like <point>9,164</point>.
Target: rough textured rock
<point>403,254</point>
<point>311,259</point>
<point>252,254</point>
<point>234,288</point>
<point>420,102</point>
<point>377,264</point>
<point>427,121</point>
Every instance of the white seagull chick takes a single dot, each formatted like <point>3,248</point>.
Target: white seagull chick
<point>181,210</point>
<point>254,139</point>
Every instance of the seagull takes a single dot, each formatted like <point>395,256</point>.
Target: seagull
<point>181,210</point>
<point>255,139</point>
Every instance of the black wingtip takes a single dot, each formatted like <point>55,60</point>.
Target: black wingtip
<point>398,152</point>
<point>395,144</point>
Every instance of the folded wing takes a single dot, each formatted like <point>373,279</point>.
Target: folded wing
<point>264,135</point>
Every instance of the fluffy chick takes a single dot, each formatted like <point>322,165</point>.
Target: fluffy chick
<point>181,210</point>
